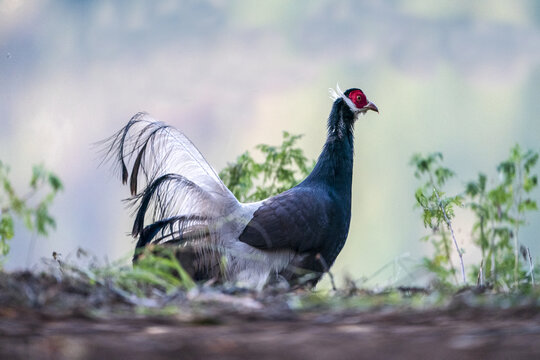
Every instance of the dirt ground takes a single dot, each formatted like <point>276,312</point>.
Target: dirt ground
<point>44,318</point>
<point>364,335</point>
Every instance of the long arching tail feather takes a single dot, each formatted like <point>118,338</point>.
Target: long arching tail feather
<point>182,194</point>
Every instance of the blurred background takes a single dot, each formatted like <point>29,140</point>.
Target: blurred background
<point>460,77</point>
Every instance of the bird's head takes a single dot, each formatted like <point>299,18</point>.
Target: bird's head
<point>355,99</point>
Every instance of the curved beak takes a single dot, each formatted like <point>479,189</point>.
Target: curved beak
<point>371,106</point>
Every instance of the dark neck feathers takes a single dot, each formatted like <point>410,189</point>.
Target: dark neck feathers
<point>335,164</point>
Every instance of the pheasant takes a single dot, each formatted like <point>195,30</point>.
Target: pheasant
<point>294,236</point>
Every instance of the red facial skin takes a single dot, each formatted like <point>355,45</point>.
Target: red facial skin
<point>358,98</point>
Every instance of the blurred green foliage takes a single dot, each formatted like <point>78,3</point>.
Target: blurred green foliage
<point>438,211</point>
<point>32,208</point>
<point>157,270</point>
<point>283,167</point>
<point>499,212</point>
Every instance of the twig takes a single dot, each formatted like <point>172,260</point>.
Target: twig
<point>493,249</point>
<point>480,280</point>
<point>531,265</point>
<point>326,270</point>
<point>31,248</point>
<point>449,224</point>
<point>516,232</point>
<point>448,255</point>
<point>56,256</point>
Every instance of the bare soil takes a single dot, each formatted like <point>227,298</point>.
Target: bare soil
<point>42,318</point>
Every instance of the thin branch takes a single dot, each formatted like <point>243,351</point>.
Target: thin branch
<point>493,250</point>
<point>444,238</point>
<point>531,265</point>
<point>519,190</point>
<point>449,224</point>
<point>480,280</point>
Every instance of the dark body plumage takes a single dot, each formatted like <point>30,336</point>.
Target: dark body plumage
<point>313,217</point>
<point>295,235</point>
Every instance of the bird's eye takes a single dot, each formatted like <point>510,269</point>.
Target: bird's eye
<point>358,98</point>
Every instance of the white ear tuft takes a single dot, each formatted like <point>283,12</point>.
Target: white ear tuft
<point>336,94</point>
<point>333,94</point>
<point>339,90</point>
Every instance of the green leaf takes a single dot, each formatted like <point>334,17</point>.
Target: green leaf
<point>38,172</point>
<point>7,229</point>
<point>55,182</point>
<point>32,209</point>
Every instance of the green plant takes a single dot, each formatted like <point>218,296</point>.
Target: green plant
<point>282,168</point>
<point>438,212</point>
<point>499,214</point>
<point>157,272</point>
<point>44,185</point>
<point>158,267</point>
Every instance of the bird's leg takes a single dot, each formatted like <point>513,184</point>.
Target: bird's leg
<point>326,270</point>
